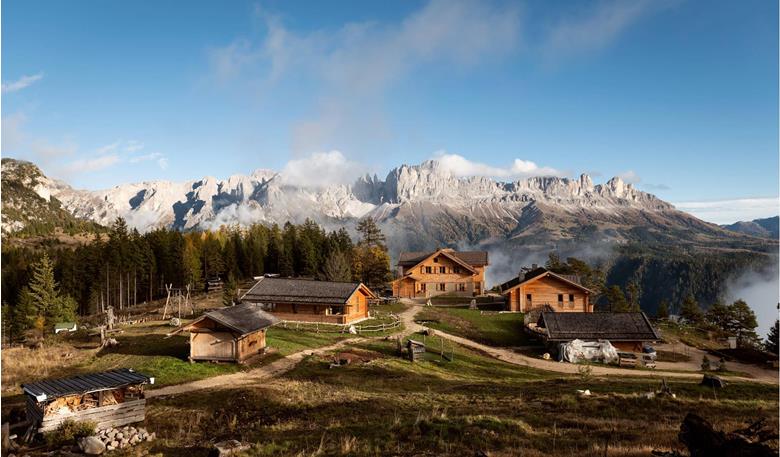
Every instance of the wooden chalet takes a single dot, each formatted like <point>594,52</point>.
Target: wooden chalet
<point>231,334</point>
<point>306,300</point>
<point>441,272</point>
<point>626,331</point>
<point>539,287</point>
<point>110,399</point>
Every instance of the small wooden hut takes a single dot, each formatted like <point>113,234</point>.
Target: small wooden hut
<point>110,399</point>
<point>626,331</point>
<point>230,334</point>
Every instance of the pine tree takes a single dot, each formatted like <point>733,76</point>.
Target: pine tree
<point>772,339</point>
<point>742,323</point>
<point>718,315</point>
<point>336,268</point>
<point>370,233</point>
<point>632,296</point>
<point>229,291</point>
<point>616,299</point>
<point>691,311</point>
<point>662,312</point>
<point>47,302</point>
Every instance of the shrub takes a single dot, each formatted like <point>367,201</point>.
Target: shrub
<point>69,431</point>
<point>585,372</point>
<point>705,364</point>
<point>722,364</point>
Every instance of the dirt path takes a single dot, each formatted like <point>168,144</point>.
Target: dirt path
<point>697,355</point>
<point>410,326</point>
<point>246,378</point>
<point>509,356</point>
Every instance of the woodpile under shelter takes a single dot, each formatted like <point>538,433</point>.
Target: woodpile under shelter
<point>626,331</point>
<point>306,300</point>
<point>539,287</point>
<point>110,399</point>
<point>231,334</point>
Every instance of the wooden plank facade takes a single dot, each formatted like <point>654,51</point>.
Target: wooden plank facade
<point>304,300</point>
<point>540,288</point>
<point>442,272</point>
<point>231,334</point>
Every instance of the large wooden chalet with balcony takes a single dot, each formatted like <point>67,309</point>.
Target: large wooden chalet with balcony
<point>441,272</point>
<point>536,287</point>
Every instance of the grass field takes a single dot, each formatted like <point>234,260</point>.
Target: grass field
<point>389,406</point>
<point>505,329</point>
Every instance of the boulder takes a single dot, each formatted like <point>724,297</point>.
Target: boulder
<point>92,445</point>
<point>226,448</point>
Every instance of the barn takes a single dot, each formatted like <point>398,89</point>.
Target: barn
<point>231,334</point>
<point>306,300</point>
<point>110,399</point>
<point>626,331</point>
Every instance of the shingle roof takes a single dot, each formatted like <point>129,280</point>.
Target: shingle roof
<point>78,385</point>
<point>244,318</point>
<point>288,290</point>
<point>473,258</point>
<point>597,326</point>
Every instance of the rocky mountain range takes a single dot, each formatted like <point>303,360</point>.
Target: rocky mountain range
<point>768,227</point>
<point>418,206</point>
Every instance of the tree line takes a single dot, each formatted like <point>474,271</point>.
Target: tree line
<point>122,267</point>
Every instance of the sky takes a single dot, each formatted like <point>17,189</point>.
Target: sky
<point>678,97</point>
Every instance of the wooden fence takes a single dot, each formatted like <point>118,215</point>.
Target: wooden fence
<point>318,327</point>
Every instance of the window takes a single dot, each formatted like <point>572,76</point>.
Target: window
<point>435,260</point>
<point>456,269</point>
<point>442,270</point>
<point>571,297</point>
<point>429,270</point>
<point>422,287</point>
<point>528,299</point>
<point>442,287</point>
<point>477,287</point>
<point>422,269</point>
<point>560,298</point>
<point>461,287</point>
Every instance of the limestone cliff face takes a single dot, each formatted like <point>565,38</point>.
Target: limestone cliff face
<point>420,206</point>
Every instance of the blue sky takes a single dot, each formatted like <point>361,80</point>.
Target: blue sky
<point>678,97</point>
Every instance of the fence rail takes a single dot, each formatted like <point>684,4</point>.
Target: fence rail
<point>342,328</point>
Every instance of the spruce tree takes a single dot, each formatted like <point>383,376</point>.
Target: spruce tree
<point>336,268</point>
<point>616,299</point>
<point>772,339</point>
<point>691,311</point>
<point>663,310</point>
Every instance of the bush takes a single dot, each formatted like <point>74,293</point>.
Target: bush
<point>69,431</point>
<point>705,364</point>
<point>585,371</point>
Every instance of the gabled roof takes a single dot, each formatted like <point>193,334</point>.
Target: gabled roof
<point>471,258</point>
<point>84,384</point>
<point>244,318</point>
<point>538,274</point>
<point>289,290</point>
<point>597,326</point>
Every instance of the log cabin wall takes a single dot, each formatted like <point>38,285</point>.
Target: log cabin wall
<point>353,309</point>
<point>548,291</point>
<point>439,275</point>
<point>251,344</point>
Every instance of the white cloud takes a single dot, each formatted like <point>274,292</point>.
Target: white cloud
<point>321,169</point>
<point>145,157</point>
<point>109,147</point>
<point>93,164</point>
<point>133,146</point>
<point>458,165</point>
<point>630,177</point>
<point>21,83</point>
<point>595,27</point>
<point>350,69</point>
<point>730,211</point>
<point>162,162</point>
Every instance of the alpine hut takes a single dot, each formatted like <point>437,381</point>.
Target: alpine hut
<point>230,334</point>
<point>626,331</point>
<point>110,399</point>
<point>306,300</point>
